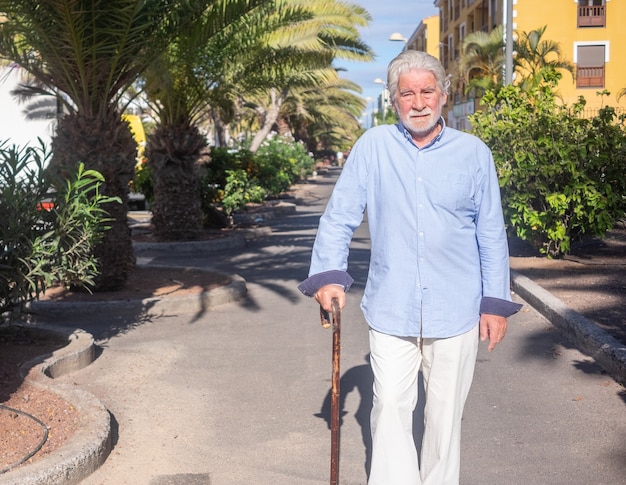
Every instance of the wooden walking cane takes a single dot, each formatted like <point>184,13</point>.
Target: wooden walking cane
<point>335,391</point>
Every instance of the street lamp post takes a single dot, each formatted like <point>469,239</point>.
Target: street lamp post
<point>384,96</point>
<point>508,39</point>
<point>370,112</point>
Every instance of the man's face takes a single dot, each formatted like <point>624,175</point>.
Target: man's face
<point>418,103</point>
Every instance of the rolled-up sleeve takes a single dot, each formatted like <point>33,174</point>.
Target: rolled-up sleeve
<point>334,277</point>
<point>496,306</point>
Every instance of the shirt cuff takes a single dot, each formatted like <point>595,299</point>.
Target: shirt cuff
<point>334,277</point>
<point>497,306</point>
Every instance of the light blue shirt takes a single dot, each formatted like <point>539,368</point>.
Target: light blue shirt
<point>438,242</point>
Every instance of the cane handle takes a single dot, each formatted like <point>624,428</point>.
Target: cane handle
<point>325,317</point>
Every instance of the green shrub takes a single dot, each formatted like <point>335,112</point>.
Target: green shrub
<point>240,191</point>
<point>234,178</point>
<point>46,236</point>
<point>224,159</point>
<point>216,171</point>
<point>561,174</point>
<point>142,182</point>
<point>281,162</point>
<point>214,180</point>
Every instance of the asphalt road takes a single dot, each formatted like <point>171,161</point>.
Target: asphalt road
<point>239,395</point>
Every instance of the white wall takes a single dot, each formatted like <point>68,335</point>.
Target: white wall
<point>13,125</point>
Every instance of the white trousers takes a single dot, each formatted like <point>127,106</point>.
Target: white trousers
<point>447,367</point>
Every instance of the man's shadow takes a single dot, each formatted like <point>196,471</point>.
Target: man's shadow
<point>362,379</point>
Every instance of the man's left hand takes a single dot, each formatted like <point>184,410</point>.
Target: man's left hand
<point>492,327</point>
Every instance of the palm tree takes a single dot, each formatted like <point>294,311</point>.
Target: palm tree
<point>535,57</point>
<point>200,76</point>
<point>299,55</point>
<point>482,60</point>
<point>324,118</point>
<point>92,51</point>
<point>180,87</point>
<point>230,60</point>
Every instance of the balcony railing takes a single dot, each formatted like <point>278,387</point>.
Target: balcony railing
<point>592,16</point>
<point>590,77</point>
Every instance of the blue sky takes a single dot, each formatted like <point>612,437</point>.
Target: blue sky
<point>388,16</point>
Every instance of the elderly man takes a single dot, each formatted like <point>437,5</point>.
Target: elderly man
<point>439,270</point>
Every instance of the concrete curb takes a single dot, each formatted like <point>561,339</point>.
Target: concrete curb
<point>235,241</point>
<point>278,209</point>
<point>210,246</point>
<point>235,291</point>
<point>608,352</point>
<point>89,447</point>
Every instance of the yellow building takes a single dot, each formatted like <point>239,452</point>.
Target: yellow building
<point>136,128</point>
<point>458,18</point>
<point>426,36</point>
<point>590,34</point>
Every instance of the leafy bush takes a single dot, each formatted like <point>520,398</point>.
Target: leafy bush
<point>214,181</point>
<point>240,191</point>
<point>142,182</point>
<point>235,178</point>
<point>46,236</point>
<point>216,171</point>
<point>561,174</point>
<point>281,162</point>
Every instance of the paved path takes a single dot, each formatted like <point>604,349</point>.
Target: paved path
<point>238,395</point>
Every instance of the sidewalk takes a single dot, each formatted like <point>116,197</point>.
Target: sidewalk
<point>238,394</point>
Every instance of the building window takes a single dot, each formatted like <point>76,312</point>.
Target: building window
<point>590,66</point>
<point>591,13</point>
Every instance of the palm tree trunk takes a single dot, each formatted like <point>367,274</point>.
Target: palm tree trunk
<point>284,129</point>
<point>269,119</point>
<point>173,154</point>
<point>106,145</point>
<point>221,130</point>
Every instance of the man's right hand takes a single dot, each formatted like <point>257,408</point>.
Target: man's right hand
<point>325,295</point>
